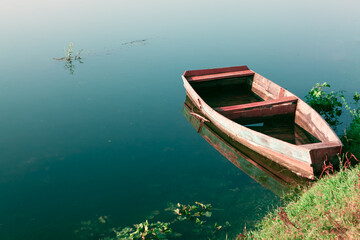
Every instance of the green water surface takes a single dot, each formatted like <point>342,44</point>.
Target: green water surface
<point>108,138</point>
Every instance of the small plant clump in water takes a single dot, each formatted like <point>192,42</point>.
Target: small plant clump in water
<point>100,230</point>
<point>69,58</point>
<point>193,212</point>
<point>355,112</point>
<point>326,104</point>
<point>330,104</point>
<point>143,231</point>
<point>351,138</point>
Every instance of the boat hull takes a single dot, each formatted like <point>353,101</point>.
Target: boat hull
<point>304,160</point>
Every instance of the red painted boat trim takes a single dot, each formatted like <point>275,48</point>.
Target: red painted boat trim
<point>214,71</point>
<point>209,77</point>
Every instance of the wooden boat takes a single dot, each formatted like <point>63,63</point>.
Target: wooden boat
<point>270,175</point>
<point>241,102</point>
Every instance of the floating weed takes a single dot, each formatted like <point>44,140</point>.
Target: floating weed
<point>101,229</point>
<point>143,231</point>
<point>69,58</point>
<point>330,105</point>
<point>327,104</point>
<point>193,212</point>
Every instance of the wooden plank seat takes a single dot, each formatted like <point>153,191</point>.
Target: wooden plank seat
<point>280,106</point>
<point>217,73</point>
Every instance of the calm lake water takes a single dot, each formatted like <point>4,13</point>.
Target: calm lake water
<point>110,139</point>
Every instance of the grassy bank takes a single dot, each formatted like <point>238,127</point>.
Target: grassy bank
<point>330,209</point>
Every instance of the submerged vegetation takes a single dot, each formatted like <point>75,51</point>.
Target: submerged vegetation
<point>101,228</point>
<point>331,105</point>
<point>327,104</point>
<point>351,138</point>
<point>144,230</point>
<point>193,212</point>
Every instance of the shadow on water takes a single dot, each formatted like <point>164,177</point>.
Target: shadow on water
<point>269,174</point>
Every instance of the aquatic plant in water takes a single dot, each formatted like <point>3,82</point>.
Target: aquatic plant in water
<point>330,104</point>
<point>143,231</point>
<point>69,53</point>
<point>327,104</point>
<point>193,212</point>
<point>101,229</point>
<point>69,64</point>
<point>355,112</point>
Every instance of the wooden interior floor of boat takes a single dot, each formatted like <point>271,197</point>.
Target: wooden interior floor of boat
<point>226,95</point>
<point>282,128</point>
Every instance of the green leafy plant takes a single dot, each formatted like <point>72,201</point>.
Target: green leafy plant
<point>143,231</point>
<point>69,64</point>
<point>351,138</point>
<point>327,104</point>
<point>355,112</point>
<point>69,52</point>
<point>101,230</point>
<point>193,212</point>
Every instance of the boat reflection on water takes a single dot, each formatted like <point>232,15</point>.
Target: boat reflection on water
<point>269,174</point>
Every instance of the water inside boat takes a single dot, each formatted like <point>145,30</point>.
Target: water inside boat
<point>237,91</point>
<point>283,128</point>
<point>217,94</point>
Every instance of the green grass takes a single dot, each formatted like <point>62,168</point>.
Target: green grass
<point>329,209</point>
